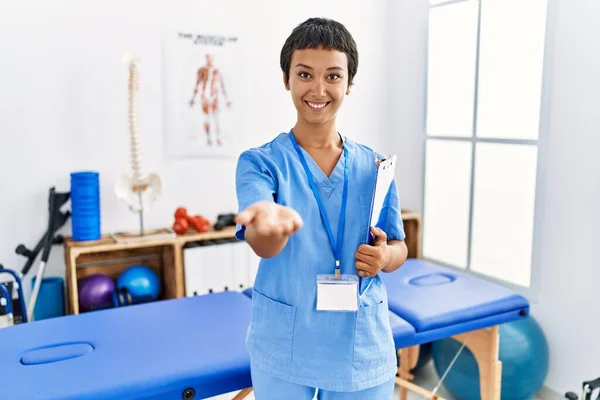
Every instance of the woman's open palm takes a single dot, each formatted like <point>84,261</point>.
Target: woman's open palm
<point>270,219</point>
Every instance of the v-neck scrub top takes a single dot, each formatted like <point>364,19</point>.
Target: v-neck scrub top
<point>287,337</point>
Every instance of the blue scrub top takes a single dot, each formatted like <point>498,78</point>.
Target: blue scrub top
<point>287,337</point>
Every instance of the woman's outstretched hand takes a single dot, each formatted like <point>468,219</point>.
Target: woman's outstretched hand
<point>268,226</point>
<point>270,219</point>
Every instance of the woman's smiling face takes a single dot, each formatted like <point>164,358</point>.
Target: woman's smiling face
<point>318,83</point>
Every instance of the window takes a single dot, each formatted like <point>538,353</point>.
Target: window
<point>484,98</point>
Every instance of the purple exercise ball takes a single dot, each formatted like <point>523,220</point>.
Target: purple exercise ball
<point>95,290</point>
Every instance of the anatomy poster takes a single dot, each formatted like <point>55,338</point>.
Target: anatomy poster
<point>201,99</point>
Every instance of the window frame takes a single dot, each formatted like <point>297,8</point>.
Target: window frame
<point>531,292</point>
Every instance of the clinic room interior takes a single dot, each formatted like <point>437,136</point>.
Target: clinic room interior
<point>138,137</point>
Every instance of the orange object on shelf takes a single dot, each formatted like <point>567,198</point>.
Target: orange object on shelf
<point>183,222</point>
<point>180,226</point>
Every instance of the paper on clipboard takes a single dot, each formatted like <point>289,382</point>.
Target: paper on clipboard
<point>384,178</point>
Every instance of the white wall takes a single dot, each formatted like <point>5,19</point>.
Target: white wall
<point>64,92</point>
<point>571,220</point>
<point>63,87</point>
<point>566,304</point>
<point>407,35</point>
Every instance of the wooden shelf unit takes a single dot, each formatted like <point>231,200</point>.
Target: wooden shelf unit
<point>412,230</point>
<point>105,256</point>
<point>165,257</point>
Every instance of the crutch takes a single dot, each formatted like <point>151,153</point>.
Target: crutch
<point>55,201</point>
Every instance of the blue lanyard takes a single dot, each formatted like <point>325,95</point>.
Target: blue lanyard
<point>337,250</point>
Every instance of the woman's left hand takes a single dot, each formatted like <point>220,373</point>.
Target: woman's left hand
<point>370,260</point>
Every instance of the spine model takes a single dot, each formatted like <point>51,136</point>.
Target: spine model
<point>134,103</point>
<point>136,189</point>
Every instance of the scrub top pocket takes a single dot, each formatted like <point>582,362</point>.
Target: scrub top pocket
<point>373,341</point>
<point>272,328</point>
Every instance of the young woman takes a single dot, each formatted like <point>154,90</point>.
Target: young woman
<point>305,200</point>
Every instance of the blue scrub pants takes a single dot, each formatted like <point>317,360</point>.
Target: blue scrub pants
<point>267,387</point>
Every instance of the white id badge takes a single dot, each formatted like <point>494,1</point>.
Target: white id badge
<point>337,294</point>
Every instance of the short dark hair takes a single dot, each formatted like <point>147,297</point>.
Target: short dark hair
<point>320,33</point>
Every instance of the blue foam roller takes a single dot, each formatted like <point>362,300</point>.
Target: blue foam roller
<point>85,206</point>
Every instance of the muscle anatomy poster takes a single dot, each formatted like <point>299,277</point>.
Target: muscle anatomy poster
<point>201,108</point>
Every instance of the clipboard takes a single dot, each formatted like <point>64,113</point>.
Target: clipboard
<point>383,181</point>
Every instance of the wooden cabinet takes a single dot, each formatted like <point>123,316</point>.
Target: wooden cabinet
<point>105,256</point>
<point>412,229</point>
<point>164,256</point>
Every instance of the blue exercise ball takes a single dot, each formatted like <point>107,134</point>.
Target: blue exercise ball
<point>94,292</point>
<point>141,282</point>
<point>523,351</point>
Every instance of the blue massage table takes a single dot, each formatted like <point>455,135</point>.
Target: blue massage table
<point>188,348</point>
<point>193,348</point>
<point>438,302</point>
